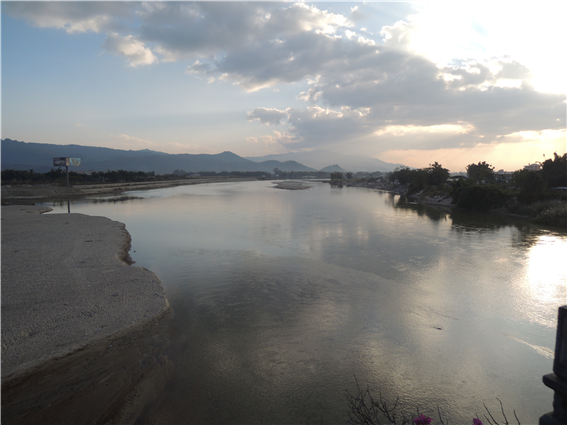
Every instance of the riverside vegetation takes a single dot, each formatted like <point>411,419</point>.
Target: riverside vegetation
<point>538,195</point>
<point>57,176</point>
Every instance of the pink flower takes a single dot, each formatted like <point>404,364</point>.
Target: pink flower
<point>477,421</point>
<point>422,420</point>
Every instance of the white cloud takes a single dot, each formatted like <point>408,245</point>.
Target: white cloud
<point>131,140</point>
<point>268,116</point>
<point>134,50</point>
<point>278,138</point>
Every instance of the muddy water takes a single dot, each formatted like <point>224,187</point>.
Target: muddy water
<point>281,297</point>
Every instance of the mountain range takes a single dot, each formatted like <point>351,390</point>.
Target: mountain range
<point>19,155</point>
<point>321,158</point>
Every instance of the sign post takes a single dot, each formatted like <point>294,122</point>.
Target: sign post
<point>59,162</point>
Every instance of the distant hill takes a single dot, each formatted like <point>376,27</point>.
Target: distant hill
<point>333,168</point>
<point>38,156</point>
<point>320,158</point>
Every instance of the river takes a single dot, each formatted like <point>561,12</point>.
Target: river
<point>281,298</point>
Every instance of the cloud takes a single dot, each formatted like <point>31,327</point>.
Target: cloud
<point>185,30</point>
<point>405,89</point>
<point>400,130</point>
<point>283,138</point>
<point>198,68</point>
<point>73,17</point>
<point>128,46</point>
<point>433,80</point>
<point>445,30</point>
<point>268,116</point>
<point>133,140</point>
<point>269,62</point>
<point>314,126</point>
<point>135,143</point>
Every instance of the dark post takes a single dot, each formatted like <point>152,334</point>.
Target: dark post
<point>67,171</point>
<point>557,381</point>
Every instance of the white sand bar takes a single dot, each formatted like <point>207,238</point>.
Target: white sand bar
<point>66,284</point>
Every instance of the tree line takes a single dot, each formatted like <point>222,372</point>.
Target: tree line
<point>57,175</point>
<point>525,193</point>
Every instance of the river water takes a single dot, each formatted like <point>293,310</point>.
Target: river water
<point>281,298</point>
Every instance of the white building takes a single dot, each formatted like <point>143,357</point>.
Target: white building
<point>532,167</point>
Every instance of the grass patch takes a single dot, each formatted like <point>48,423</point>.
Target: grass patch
<point>552,212</point>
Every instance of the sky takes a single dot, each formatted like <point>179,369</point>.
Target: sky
<point>410,83</point>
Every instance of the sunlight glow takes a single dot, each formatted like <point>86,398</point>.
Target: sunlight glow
<point>446,30</point>
<point>519,150</point>
<point>400,130</point>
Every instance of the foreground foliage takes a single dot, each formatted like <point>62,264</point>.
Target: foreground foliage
<point>367,410</point>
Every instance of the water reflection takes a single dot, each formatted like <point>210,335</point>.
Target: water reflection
<point>281,296</point>
<point>434,213</point>
<point>545,283</point>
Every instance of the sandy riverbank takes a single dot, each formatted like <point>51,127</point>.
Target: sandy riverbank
<point>292,185</point>
<point>69,298</point>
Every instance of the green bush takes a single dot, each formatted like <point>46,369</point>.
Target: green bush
<point>484,197</point>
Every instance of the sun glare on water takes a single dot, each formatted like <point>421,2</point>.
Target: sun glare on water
<point>546,277</point>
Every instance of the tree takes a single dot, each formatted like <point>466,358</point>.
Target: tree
<point>336,175</point>
<point>436,174</point>
<point>554,172</point>
<point>531,184</point>
<point>481,172</point>
<point>403,175</point>
<point>55,174</point>
<point>418,181</point>
<point>483,197</point>
<point>349,175</point>
<point>181,173</point>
